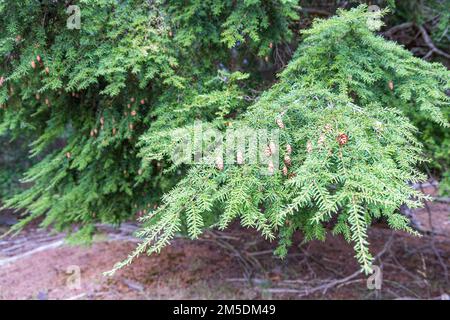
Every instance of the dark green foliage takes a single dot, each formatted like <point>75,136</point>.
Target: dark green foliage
<point>89,84</point>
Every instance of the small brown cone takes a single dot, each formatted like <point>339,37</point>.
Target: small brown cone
<point>240,158</point>
<point>391,85</point>
<point>271,168</point>
<point>342,139</point>
<point>219,163</point>
<point>280,123</point>
<point>287,160</point>
<point>288,149</point>
<point>273,147</point>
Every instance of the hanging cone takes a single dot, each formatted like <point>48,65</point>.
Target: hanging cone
<point>239,158</point>
<point>288,149</point>
<point>219,163</point>
<point>280,123</point>
<point>273,147</point>
<point>391,85</point>
<point>342,139</point>
<point>271,168</point>
<point>287,160</point>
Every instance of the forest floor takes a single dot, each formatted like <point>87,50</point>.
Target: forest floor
<point>235,264</point>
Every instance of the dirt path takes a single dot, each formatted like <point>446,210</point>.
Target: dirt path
<point>232,265</point>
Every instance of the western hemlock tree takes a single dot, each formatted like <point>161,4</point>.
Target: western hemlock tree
<point>348,146</point>
<point>105,100</point>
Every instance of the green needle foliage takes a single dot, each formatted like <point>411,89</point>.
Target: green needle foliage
<point>104,102</point>
<point>349,149</point>
<point>89,94</point>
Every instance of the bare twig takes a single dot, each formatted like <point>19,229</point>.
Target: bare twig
<point>316,11</point>
<point>31,252</point>
<point>323,288</point>
<point>442,199</point>
<point>249,263</point>
<point>389,33</point>
<point>431,45</point>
